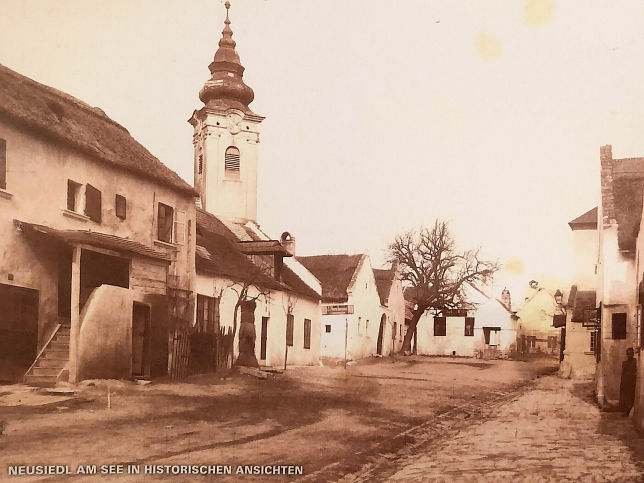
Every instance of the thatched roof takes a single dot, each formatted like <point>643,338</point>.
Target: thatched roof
<point>335,273</point>
<point>65,119</point>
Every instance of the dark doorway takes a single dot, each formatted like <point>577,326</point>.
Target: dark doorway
<point>264,338</point>
<point>140,335</point>
<point>65,284</point>
<point>562,345</point>
<point>18,331</point>
<point>381,334</point>
<point>99,269</point>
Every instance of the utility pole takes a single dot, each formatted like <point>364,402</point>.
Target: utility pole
<point>346,330</point>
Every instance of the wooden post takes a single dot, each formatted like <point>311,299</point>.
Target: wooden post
<point>285,354</point>
<point>74,316</point>
<point>346,330</point>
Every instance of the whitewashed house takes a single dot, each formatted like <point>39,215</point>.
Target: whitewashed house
<point>487,329</point>
<point>354,324</point>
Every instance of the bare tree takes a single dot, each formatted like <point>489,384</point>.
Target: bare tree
<point>436,272</point>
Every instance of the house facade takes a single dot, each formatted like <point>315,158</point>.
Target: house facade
<point>487,329</point>
<point>579,331</point>
<point>249,285</point>
<point>97,244</point>
<point>619,276</point>
<point>392,302</point>
<point>354,323</point>
<point>536,333</point>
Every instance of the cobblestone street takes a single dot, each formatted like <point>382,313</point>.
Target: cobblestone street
<point>548,431</point>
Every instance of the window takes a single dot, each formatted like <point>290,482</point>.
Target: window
<point>327,328</point>
<point>366,327</point>
<point>73,195</point>
<point>165,218</point>
<point>619,326</point>
<point>3,164</point>
<point>232,164</point>
<point>393,332</point>
<point>593,341</point>
<point>552,342</point>
<point>307,334</point>
<point>93,203</point>
<point>440,326</point>
<point>289,330</point>
<point>359,325</point>
<point>120,207</point>
<point>207,314</point>
<point>469,326</point>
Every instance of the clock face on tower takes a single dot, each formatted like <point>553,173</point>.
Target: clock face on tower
<point>234,120</point>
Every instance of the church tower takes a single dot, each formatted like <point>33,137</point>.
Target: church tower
<point>226,137</point>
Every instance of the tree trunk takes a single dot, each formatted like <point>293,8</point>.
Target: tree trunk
<point>411,329</point>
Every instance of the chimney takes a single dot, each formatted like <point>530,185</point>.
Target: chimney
<point>606,160</point>
<point>505,298</point>
<point>288,242</point>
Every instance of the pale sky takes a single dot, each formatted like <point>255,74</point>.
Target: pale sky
<point>380,115</point>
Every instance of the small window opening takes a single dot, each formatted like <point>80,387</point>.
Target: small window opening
<point>232,163</point>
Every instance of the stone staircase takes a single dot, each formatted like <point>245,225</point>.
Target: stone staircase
<point>51,360</point>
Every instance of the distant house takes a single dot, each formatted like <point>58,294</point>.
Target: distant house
<point>354,321</point>
<point>487,328</point>
<point>392,301</point>
<point>536,333</point>
<point>96,242</point>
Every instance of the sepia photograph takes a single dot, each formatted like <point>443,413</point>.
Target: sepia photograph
<point>321,240</point>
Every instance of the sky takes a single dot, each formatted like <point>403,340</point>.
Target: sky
<point>380,116</point>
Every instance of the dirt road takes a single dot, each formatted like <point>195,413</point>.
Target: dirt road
<point>328,420</point>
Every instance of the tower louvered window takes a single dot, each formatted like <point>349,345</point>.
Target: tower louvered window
<point>232,164</point>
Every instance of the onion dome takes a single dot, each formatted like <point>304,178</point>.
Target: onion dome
<point>226,89</point>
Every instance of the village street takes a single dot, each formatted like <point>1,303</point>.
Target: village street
<point>399,419</point>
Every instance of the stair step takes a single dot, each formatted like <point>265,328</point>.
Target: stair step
<point>57,346</point>
<point>45,371</point>
<point>41,381</point>
<point>61,337</point>
<point>48,362</point>
<point>56,354</point>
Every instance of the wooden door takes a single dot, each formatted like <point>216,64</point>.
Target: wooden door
<point>140,332</point>
<point>18,330</point>
<point>381,334</point>
<point>264,338</point>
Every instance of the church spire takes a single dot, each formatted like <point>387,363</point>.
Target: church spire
<point>226,89</point>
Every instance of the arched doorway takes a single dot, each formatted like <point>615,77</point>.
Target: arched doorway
<point>381,334</point>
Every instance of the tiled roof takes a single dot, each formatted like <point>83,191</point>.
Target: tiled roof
<point>384,279</point>
<point>587,221</point>
<point>581,301</point>
<point>92,238</point>
<point>225,258</point>
<point>68,120</point>
<point>335,273</point>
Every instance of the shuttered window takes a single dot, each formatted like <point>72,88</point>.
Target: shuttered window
<point>207,314</point>
<point>73,191</point>
<point>165,218</point>
<point>180,227</point>
<point>232,163</point>
<point>93,203</point>
<point>120,206</point>
<point>307,334</point>
<point>469,326</point>
<point>289,330</point>
<point>619,326</point>
<point>440,326</point>
<point>3,164</point>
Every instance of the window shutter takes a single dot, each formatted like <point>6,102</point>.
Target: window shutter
<point>3,164</point>
<point>232,163</point>
<point>93,203</point>
<point>180,228</point>
<point>200,304</point>
<point>120,207</point>
<point>619,326</point>
<point>307,334</point>
<point>289,330</point>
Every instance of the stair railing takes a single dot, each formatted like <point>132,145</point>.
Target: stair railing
<point>44,347</point>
